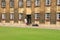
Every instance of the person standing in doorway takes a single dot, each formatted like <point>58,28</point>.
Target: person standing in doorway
<point>25,21</point>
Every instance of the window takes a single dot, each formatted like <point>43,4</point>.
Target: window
<point>3,16</point>
<point>58,2</point>
<point>47,15</point>
<point>20,16</point>
<point>11,3</point>
<point>58,16</point>
<point>48,2</point>
<point>3,4</point>
<point>20,3</point>
<point>11,16</point>
<point>37,15</point>
<point>28,3</point>
<point>37,3</point>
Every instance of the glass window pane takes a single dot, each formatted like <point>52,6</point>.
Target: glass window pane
<point>3,4</point>
<point>11,16</point>
<point>20,3</point>
<point>58,2</point>
<point>58,16</point>
<point>47,15</point>
<point>20,16</point>
<point>48,2</point>
<point>37,2</point>
<point>28,3</point>
<point>37,15</point>
<point>3,16</point>
<point>11,3</point>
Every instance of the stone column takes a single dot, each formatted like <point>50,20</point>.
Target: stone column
<point>53,12</point>
<point>24,13</point>
<point>7,11</point>
<point>16,11</point>
<point>42,11</point>
<point>32,14</point>
<point>0,11</point>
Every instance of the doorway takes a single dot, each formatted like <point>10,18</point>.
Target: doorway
<point>28,19</point>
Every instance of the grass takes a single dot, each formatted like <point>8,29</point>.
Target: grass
<point>11,33</point>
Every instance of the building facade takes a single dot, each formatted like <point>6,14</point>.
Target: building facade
<point>36,11</point>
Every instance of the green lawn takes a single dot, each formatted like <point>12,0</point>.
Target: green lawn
<point>11,33</point>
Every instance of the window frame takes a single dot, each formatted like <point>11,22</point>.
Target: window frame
<point>11,16</point>
<point>20,16</point>
<point>48,2</point>
<point>58,16</point>
<point>11,1</point>
<point>3,16</point>
<point>47,16</point>
<point>58,2</point>
<point>37,16</point>
<point>20,5</point>
<point>3,3</point>
<point>38,3</point>
<point>30,3</point>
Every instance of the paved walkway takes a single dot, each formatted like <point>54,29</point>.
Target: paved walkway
<point>44,26</point>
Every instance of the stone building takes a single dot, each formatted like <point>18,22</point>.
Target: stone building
<point>36,11</point>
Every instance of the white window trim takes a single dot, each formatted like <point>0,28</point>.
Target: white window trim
<point>20,3</point>
<point>20,16</point>
<point>36,15</point>
<point>3,16</point>
<point>3,4</point>
<point>47,2</point>
<point>58,2</point>
<point>58,16</point>
<point>46,15</point>
<point>37,2</point>
<point>11,3</point>
<point>11,16</point>
<point>28,2</point>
